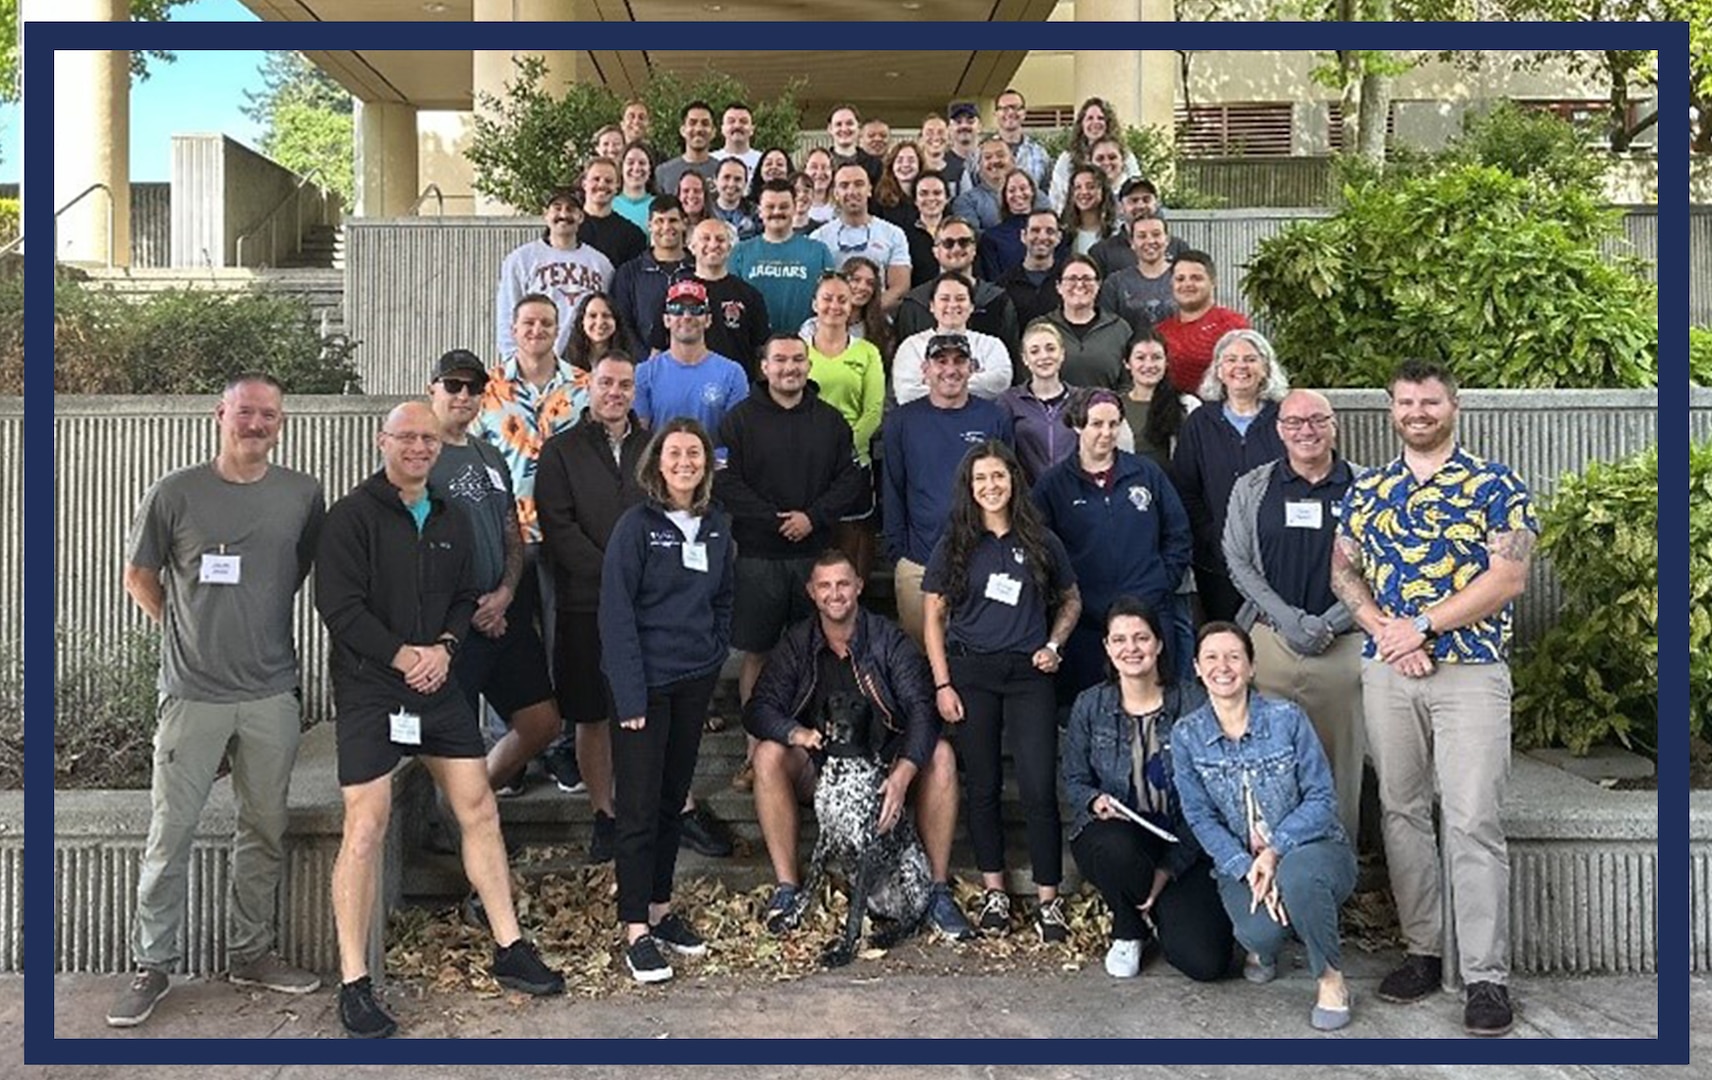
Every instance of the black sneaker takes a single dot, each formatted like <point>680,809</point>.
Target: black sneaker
<point>703,833</point>
<point>678,935</point>
<point>947,917</point>
<point>514,786</point>
<point>646,965</point>
<point>1488,1010</point>
<point>137,1002</point>
<point>1049,922</point>
<point>995,916</point>
<point>1418,978</point>
<point>519,967</point>
<point>561,764</point>
<point>361,1014</point>
<point>784,910</point>
<point>474,912</point>
<point>601,843</point>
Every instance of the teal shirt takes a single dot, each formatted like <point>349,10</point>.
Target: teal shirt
<point>419,511</point>
<point>786,275</point>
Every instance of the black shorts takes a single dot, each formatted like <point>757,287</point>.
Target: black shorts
<point>585,697</point>
<point>772,594</point>
<point>365,746</point>
<point>510,670</point>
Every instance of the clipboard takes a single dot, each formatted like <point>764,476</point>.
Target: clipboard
<point>1163,834</point>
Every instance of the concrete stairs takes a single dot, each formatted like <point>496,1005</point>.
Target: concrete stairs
<point>323,248</point>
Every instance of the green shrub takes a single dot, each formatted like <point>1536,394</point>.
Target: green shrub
<point>8,221</point>
<point>530,141</point>
<point>1700,590</point>
<point>11,334</point>
<point>1594,676</point>
<point>189,341</point>
<point>1700,355</point>
<point>105,709</point>
<point>1497,276</point>
<point>1530,143</point>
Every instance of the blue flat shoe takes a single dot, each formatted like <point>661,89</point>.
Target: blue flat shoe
<point>1259,971</point>
<point>1328,1019</point>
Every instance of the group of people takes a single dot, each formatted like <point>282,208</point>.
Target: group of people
<point>1186,608</point>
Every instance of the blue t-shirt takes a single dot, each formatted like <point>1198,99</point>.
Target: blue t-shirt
<point>419,511</point>
<point>785,275</point>
<point>666,388</point>
<point>1002,610</point>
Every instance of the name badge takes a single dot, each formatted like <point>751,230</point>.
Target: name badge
<point>406,727</point>
<point>695,557</point>
<point>1303,515</point>
<point>1005,589</point>
<point>497,480</point>
<point>220,569</point>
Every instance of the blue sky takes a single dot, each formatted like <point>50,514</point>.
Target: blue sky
<point>201,92</point>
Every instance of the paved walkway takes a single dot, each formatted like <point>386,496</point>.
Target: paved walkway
<point>833,1005</point>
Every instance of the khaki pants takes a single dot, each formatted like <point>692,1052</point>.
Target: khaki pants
<point>1452,727</point>
<point>189,743</point>
<point>906,588</point>
<point>1328,688</point>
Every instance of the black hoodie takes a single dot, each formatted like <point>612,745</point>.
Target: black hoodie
<point>379,586</point>
<point>779,460</point>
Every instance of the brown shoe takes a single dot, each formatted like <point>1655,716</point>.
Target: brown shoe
<point>744,778</point>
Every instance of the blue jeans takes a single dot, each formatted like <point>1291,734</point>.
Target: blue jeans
<point>1313,880</point>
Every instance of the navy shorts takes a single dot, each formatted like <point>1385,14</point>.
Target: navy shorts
<point>366,749</point>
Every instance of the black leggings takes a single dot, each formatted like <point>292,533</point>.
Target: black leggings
<point>1005,691</point>
<point>1194,931</point>
<point>651,774</point>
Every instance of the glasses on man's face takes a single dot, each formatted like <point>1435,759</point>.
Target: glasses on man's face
<point>1297,423</point>
<point>953,243</point>
<point>686,309</point>
<point>414,438</point>
<point>848,247</point>
<point>455,386</point>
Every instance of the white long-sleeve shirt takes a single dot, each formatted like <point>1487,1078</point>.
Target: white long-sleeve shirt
<point>991,376</point>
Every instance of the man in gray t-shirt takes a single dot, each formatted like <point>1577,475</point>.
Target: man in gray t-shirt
<point>216,555</point>
<point>502,658</point>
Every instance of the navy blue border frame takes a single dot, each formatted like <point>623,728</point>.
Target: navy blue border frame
<point>1671,894</point>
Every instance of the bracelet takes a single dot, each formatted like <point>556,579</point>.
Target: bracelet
<point>937,687</point>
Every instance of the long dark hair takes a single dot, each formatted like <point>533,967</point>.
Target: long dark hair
<point>1164,669</point>
<point>1070,218</point>
<point>1165,412</point>
<point>755,181</point>
<point>964,528</point>
<point>876,328</point>
<point>580,350</point>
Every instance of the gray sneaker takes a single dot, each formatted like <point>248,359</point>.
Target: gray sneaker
<point>270,972</point>
<point>138,1001</point>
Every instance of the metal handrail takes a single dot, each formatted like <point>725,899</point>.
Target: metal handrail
<point>17,242</point>
<point>439,200</point>
<point>75,199</point>
<point>269,221</point>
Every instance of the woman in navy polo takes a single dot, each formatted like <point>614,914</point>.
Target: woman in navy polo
<point>1000,596</point>
<point>665,630</point>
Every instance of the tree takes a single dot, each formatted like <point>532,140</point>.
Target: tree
<point>141,11</point>
<point>307,121</point>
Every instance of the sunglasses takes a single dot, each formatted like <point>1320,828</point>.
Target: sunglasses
<point>686,309</point>
<point>455,386</point>
<point>957,242</point>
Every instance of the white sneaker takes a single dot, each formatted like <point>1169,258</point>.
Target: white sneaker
<point>1123,959</point>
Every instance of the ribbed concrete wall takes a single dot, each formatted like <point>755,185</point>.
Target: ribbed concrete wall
<point>12,886</point>
<point>108,450</point>
<point>1584,908</point>
<point>416,287</point>
<point>1700,414</point>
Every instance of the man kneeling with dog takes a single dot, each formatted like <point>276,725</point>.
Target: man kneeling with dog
<point>844,652</point>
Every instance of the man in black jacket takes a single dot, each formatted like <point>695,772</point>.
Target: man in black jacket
<point>843,648</point>
<point>790,473</point>
<point>395,585</point>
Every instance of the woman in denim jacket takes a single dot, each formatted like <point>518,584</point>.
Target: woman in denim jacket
<point>1117,748</point>
<point>1257,792</point>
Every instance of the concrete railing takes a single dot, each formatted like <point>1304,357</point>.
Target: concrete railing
<point>108,450</point>
<point>405,317</point>
<point>223,190</point>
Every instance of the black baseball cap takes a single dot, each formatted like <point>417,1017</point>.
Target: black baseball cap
<point>460,361</point>
<point>962,108</point>
<point>1138,183</point>
<point>940,343</point>
<point>564,193</point>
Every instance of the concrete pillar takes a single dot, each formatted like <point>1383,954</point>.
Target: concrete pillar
<point>1107,73</point>
<point>92,97</point>
<point>386,165</point>
<point>1158,91</point>
<point>491,69</point>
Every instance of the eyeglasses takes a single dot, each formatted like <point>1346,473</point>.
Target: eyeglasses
<point>1010,108</point>
<point>1078,279</point>
<point>861,245</point>
<point>454,386</point>
<point>951,243</point>
<point>686,309</point>
<point>414,438</point>
<point>1297,423</point>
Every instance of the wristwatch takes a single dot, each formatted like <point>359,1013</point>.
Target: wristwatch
<point>1424,626</point>
<point>1052,647</point>
<point>450,644</point>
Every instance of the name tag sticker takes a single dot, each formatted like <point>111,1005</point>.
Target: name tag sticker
<point>695,557</point>
<point>406,727</point>
<point>1303,515</point>
<point>1004,589</point>
<point>497,480</point>
<point>220,569</point>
